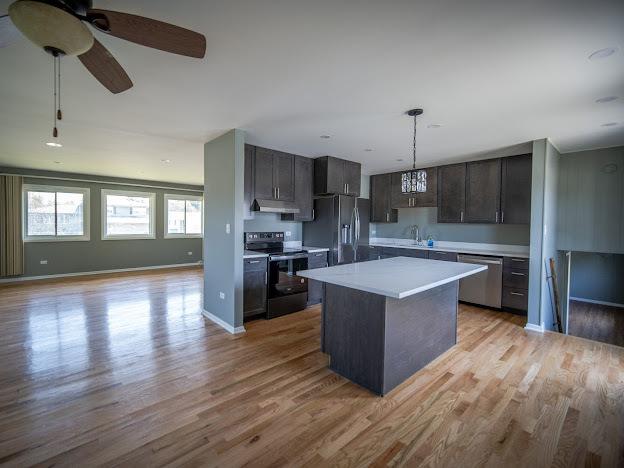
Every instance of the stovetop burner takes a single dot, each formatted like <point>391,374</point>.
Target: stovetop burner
<point>271,243</point>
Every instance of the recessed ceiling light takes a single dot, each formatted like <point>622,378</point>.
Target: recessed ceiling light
<point>609,124</point>
<point>58,162</point>
<point>368,150</point>
<point>434,126</point>
<point>603,53</point>
<point>166,161</point>
<point>325,137</point>
<point>400,159</point>
<point>54,144</point>
<point>606,99</point>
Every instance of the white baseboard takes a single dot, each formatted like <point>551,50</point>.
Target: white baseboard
<point>533,327</point>
<point>223,324</point>
<point>17,279</point>
<point>592,301</point>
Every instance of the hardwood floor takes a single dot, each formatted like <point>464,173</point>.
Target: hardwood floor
<point>596,322</point>
<point>125,371</point>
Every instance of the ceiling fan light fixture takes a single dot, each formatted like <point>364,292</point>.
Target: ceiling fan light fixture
<point>54,144</point>
<point>51,28</point>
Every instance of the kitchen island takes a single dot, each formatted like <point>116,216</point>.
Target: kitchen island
<point>383,320</point>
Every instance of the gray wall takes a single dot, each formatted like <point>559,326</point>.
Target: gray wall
<point>426,219</point>
<point>223,204</point>
<point>597,277</point>
<point>591,194</point>
<point>273,222</point>
<point>543,230</point>
<point>97,254</point>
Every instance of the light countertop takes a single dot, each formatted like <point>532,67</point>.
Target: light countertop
<point>397,277</point>
<point>466,248</point>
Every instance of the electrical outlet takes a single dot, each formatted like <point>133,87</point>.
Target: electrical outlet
<point>189,253</point>
<point>288,233</point>
<point>221,295</point>
<point>227,228</point>
<point>43,262</point>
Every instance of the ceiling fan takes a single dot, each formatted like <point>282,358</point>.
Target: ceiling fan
<point>58,26</point>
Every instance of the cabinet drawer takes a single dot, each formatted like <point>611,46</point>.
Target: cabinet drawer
<point>317,260</point>
<point>515,299</point>
<point>255,264</point>
<point>515,263</point>
<point>374,253</point>
<point>448,256</point>
<point>518,279</point>
<point>399,252</point>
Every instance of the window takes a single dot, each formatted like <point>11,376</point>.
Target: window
<point>127,215</point>
<point>183,216</point>
<point>55,213</point>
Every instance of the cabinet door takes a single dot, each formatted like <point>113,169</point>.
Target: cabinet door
<point>451,193</point>
<point>304,173</point>
<point>380,196</point>
<point>284,175</point>
<point>430,197</point>
<point>315,288</point>
<point>516,190</point>
<point>254,289</point>
<point>335,176</point>
<point>263,174</point>
<point>352,177</point>
<point>398,199</point>
<point>483,187</point>
<point>248,183</point>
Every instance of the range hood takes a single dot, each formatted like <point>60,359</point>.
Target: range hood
<point>274,206</point>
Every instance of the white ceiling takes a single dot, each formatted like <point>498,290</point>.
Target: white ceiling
<point>493,73</point>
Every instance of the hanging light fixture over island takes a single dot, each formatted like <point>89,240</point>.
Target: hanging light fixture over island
<point>414,181</point>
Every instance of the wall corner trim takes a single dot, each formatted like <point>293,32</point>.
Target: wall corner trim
<point>223,324</point>
<point>533,327</point>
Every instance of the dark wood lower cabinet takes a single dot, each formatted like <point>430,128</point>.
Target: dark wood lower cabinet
<point>254,288</point>
<point>515,285</point>
<point>315,288</point>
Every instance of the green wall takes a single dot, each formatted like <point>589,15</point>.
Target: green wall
<point>96,254</point>
<point>223,206</point>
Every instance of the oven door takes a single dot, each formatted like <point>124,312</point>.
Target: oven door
<point>283,279</point>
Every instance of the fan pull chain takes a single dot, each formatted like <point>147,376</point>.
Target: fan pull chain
<point>55,130</point>
<point>59,114</point>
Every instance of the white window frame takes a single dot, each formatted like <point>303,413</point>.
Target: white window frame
<point>128,193</point>
<point>171,196</point>
<point>86,209</point>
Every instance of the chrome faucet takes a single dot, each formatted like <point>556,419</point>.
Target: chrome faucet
<point>415,231</point>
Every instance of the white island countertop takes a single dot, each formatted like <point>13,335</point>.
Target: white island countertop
<point>396,277</point>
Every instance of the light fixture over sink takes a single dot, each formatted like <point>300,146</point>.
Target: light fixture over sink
<point>414,181</point>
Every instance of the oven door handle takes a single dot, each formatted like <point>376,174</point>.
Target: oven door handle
<point>287,257</point>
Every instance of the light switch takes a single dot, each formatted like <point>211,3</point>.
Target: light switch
<point>43,262</point>
<point>288,233</point>
<point>227,228</point>
<point>221,295</point>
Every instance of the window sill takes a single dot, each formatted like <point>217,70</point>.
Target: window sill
<point>113,238</point>
<point>57,239</point>
<point>184,236</point>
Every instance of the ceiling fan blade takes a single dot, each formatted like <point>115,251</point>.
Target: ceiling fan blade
<point>149,32</point>
<point>8,32</point>
<point>103,66</point>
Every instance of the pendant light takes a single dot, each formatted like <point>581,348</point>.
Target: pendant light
<point>414,181</point>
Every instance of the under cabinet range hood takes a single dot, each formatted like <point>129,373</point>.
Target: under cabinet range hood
<point>274,206</point>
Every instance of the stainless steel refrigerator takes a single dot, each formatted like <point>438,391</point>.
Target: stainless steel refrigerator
<point>340,224</point>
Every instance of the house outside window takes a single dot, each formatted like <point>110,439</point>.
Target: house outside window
<point>183,216</point>
<point>128,215</point>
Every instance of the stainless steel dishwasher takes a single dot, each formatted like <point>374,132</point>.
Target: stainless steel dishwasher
<point>484,288</point>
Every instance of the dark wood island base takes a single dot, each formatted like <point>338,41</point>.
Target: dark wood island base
<point>378,341</point>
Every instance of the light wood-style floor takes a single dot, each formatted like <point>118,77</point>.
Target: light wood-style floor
<point>125,371</point>
<point>596,322</point>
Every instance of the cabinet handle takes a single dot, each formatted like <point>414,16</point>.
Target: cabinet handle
<point>440,253</point>
<point>497,217</point>
<point>515,273</point>
<point>461,216</point>
<point>387,217</point>
<point>277,192</point>
<point>318,255</point>
<point>254,261</point>
<point>313,214</point>
<point>266,274</point>
<point>347,188</point>
<point>502,217</point>
<point>516,294</point>
<point>522,260</point>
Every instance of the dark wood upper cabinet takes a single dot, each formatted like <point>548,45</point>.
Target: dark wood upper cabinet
<point>483,189</point>
<point>451,193</point>
<point>516,190</point>
<point>304,172</point>
<point>274,175</point>
<point>263,174</point>
<point>248,182</point>
<point>429,198</point>
<point>335,176</point>
<point>380,199</point>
